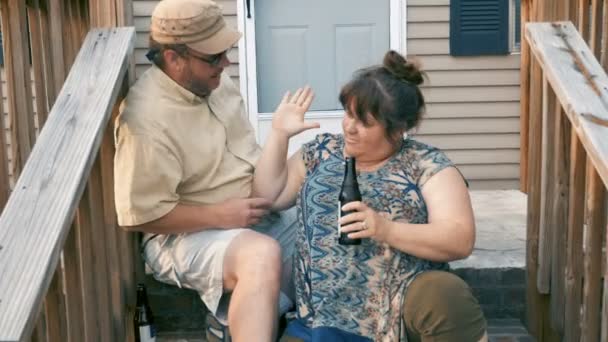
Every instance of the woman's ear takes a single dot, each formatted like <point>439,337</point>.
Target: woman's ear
<point>398,135</point>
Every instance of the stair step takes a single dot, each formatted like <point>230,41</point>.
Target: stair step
<point>499,330</point>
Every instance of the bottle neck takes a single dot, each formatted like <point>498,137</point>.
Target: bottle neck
<point>350,172</point>
<point>141,297</point>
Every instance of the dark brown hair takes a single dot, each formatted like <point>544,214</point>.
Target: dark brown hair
<point>389,92</point>
<point>155,51</point>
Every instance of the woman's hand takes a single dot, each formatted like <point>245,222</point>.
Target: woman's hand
<point>364,222</point>
<point>289,115</point>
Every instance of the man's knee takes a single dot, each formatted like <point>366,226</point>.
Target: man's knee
<point>441,304</point>
<point>253,256</point>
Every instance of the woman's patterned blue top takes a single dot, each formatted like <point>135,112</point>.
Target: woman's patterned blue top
<point>359,289</point>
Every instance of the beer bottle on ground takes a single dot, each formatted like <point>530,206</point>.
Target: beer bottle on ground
<point>348,193</point>
<point>143,321</point>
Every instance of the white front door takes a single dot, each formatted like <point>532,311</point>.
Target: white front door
<point>289,44</point>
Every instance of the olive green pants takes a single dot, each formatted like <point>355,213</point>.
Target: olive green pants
<point>438,307</point>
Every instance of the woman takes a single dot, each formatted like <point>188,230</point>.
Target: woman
<point>415,217</point>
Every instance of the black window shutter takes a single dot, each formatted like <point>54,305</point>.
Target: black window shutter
<point>517,22</point>
<point>479,27</point>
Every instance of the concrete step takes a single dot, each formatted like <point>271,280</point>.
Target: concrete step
<point>496,269</point>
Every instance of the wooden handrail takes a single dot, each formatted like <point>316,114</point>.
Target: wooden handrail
<point>568,178</point>
<point>37,218</point>
<point>580,83</point>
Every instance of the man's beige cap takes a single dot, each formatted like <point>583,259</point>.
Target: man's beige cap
<point>197,23</point>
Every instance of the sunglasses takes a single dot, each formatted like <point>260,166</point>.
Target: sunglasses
<point>213,60</point>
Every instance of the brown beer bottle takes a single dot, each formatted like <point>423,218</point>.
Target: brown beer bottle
<point>143,321</point>
<point>348,193</point>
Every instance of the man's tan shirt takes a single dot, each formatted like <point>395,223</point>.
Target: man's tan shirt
<point>175,147</point>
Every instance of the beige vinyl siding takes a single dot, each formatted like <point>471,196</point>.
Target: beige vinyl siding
<point>142,9</point>
<point>472,102</point>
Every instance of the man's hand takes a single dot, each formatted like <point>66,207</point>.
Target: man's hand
<point>241,212</point>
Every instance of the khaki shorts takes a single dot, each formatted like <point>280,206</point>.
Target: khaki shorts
<point>195,260</point>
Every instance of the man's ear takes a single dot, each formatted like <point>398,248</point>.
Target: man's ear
<point>172,59</point>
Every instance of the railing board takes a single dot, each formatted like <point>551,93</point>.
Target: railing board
<point>33,13</point>
<point>594,232</point>
<point>56,45</point>
<point>49,79</point>
<point>37,217</point>
<point>595,37</point>
<point>604,41</point>
<point>604,336</point>
<point>71,42</point>
<point>583,19</point>
<point>115,253</point>
<point>534,302</point>
<point>561,191</point>
<point>5,187</point>
<point>99,266</point>
<point>573,73</point>
<point>39,334</point>
<point>546,225</point>
<point>73,284</point>
<point>85,242</point>
<point>20,107</point>
<point>574,266</point>
<point>56,324</point>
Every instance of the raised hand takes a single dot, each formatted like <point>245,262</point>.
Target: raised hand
<point>288,118</point>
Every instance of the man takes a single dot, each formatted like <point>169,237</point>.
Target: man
<point>185,155</point>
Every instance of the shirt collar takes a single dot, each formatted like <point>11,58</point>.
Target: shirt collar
<point>173,87</point>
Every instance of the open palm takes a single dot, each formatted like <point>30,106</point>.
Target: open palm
<point>289,115</point>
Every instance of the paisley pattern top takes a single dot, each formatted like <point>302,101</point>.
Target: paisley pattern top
<point>359,289</point>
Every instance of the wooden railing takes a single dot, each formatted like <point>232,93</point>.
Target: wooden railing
<point>67,273</point>
<point>567,180</point>
<point>87,290</point>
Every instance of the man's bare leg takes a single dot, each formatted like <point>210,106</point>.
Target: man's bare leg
<point>252,270</point>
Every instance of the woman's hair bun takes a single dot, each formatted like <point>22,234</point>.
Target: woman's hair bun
<point>397,65</point>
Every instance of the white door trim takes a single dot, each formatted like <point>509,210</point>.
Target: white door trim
<point>247,57</point>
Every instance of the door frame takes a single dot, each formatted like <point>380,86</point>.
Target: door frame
<point>248,65</point>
